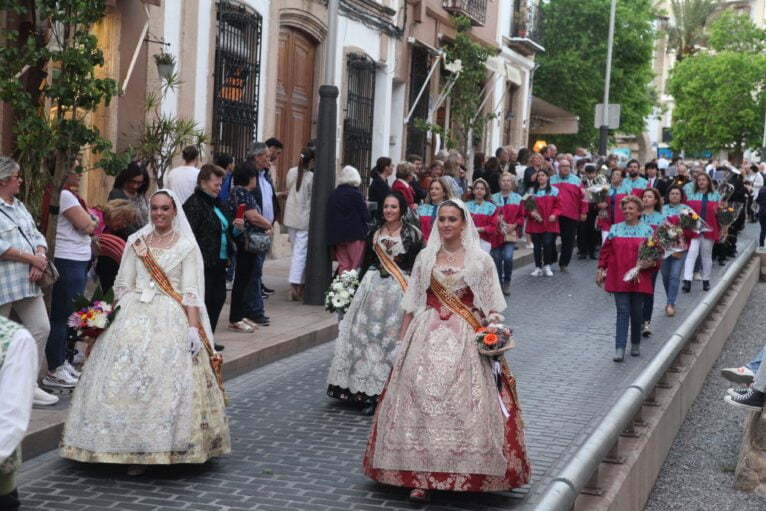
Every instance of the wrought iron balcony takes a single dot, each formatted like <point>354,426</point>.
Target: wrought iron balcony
<point>527,30</point>
<point>475,10</point>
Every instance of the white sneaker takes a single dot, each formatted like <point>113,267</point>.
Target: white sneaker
<point>60,378</point>
<point>538,272</point>
<point>42,398</point>
<point>530,245</point>
<point>547,270</point>
<point>71,370</point>
<point>229,285</point>
<point>697,275</point>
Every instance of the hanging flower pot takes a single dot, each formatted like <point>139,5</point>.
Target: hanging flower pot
<point>166,64</point>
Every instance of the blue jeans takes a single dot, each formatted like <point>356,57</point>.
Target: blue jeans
<point>630,308</point>
<point>649,299</point>
<point>503,257</point>
<point>754,364</point>
<point>254,300</point>
<point>671,276</point>
<point>70,285</point>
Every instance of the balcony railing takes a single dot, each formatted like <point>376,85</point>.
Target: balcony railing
<point>475,10</point>
<point>527,30</point>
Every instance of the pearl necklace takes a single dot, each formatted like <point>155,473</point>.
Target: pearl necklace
<point>171,233</point>
<point>451,256</point>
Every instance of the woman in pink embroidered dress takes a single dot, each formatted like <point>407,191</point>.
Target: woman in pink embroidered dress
<point>422,438</point>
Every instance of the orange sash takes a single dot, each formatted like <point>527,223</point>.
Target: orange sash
<point>143,253</point>
<point>391,267</point>
<point>454,304</point>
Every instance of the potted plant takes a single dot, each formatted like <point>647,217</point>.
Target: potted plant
<point>166,63</point>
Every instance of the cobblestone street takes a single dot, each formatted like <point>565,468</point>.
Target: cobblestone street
<point>294,448</point>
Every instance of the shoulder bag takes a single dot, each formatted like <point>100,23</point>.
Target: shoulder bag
<point>50,273</point>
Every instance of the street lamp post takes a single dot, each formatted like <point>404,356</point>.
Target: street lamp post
<point>318,264</point>
<point>604,129</point>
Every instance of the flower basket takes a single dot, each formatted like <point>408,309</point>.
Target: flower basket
<point>494,339</point>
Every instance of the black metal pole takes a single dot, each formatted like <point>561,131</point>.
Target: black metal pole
<point>603,139</point>
<point>318,265</point>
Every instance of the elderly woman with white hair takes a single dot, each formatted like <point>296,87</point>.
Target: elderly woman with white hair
<point>22,262</point>
<point>347,217</point>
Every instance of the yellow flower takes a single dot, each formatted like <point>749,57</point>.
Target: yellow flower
<point>695,216</point>
<point>650,243</point>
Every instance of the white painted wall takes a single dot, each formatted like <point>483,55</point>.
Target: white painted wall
<point>204,67</point>
<point>397,121</point>
<point>262,6</point>
<point>172,34</point>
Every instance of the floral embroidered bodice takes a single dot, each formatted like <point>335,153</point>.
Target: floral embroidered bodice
<point>392,245</point>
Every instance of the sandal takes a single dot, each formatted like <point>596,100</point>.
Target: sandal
<point>241,327</point>
<point>418,495</point>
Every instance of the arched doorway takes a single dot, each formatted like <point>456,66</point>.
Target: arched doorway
<point>295,96</point>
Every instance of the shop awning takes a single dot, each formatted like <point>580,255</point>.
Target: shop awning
<point>548,119</point>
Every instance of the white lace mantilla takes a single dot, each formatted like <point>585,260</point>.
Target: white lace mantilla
<point>135,394</point>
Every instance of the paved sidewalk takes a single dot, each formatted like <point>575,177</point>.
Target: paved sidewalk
<point>296,449</point>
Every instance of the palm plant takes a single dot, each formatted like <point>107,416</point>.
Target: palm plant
<point>688,30</point>
<point>162,136</point>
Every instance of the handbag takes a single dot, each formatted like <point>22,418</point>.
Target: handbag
<point>257,242</point>
<point>50,273</point>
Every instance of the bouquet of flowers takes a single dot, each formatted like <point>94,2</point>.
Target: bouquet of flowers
<point>93,315</point>
<point>341,292</point>
<point>598,193</point>
<point>650,250</point>
<point>689,220</point>
<point>494,339</point>
<point>530,205</point>
<point>671,236</point>
<point>727,215</point>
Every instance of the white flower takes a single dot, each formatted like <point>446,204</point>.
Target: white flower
<point>100,321</point>
<point>345,295</point>
<point>337,286</point>
<point>337,303</point>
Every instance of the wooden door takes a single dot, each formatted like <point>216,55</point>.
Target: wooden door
<point>295,97</point>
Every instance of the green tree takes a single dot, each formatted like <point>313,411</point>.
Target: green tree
<point>720,96</point>
<point>465,97</point>
<point>687,31</point>
<point>571,73</point>
<point>49,78</point>
<point>737,32</point>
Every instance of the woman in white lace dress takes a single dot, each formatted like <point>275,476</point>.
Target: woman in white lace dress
<point>449,418</point>
<point>148,394</point>
<point>364,351</point>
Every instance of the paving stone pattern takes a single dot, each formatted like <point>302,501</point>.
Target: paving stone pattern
<point>294,448</point>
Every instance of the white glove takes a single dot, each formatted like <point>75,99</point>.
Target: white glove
<point>195,343</point>
<point>494,318</point>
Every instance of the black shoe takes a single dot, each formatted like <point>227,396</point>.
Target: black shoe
<point>646,329</point>
<point>267,291</point>
<point>706,285</point>
<point>687,286</point>
<point>368,410</point>
<point>582,256</point>
<point>260,320</point>
<point>218,347</point>
<point>635,350</point>
<point>722,262</point>
<point>752,400</point>
<point>619,354</point>
<point>265,296</point>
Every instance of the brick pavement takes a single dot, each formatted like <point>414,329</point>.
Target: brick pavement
<point>296,449</point>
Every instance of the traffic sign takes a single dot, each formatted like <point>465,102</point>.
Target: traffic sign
<point>614,116</point>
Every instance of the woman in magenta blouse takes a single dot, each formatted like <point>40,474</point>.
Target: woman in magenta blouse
<point>543,223</point>
<point>619,254</point>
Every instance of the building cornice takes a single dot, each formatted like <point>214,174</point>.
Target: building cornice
<point>372,14</point>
